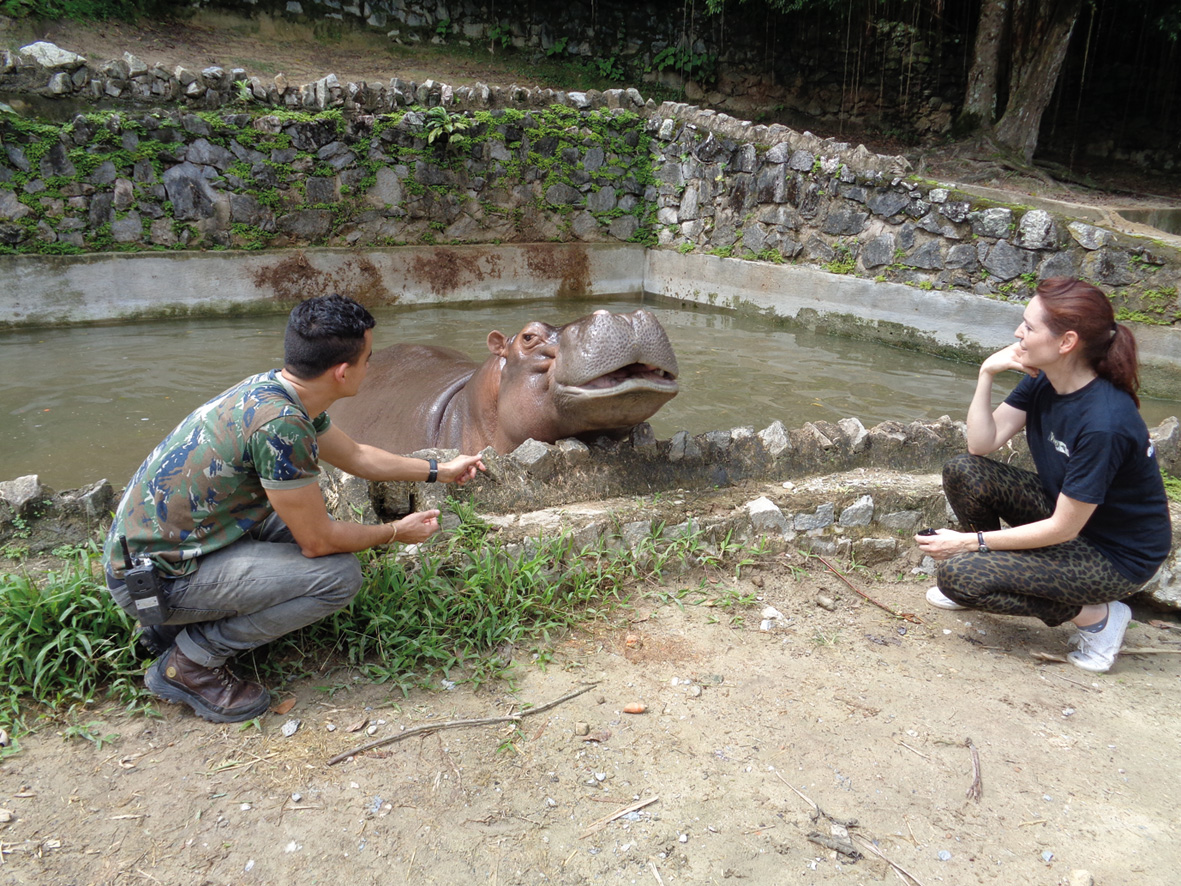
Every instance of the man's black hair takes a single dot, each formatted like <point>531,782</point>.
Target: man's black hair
<point>323,332</point>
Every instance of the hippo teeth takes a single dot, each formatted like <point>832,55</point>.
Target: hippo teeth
<point>639,372</point>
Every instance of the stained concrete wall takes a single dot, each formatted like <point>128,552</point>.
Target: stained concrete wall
<point>50,290</point>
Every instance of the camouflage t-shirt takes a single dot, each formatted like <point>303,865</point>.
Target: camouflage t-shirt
<point>204,486</point>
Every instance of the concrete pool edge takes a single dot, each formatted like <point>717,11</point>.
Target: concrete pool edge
<point>67,290</point>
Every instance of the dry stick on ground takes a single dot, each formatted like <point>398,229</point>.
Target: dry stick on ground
<point>905,616</point>
<point>618,813</point>
<point>976,788</point>
<point>901,871</point>
<point>457,724</point>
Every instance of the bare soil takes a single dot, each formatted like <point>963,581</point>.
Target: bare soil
<point>849,708</point>
<point>837,704</point>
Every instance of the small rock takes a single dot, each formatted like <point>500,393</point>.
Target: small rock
<point>581,728</point>
<point>684,838</point>
<point>245,807</point>
<point>826,603</point>
<point>695,691</point>
<point>944,855</point>
<point>290,728</point>
<point>371,730</point>
<point>600,699</point>
<point>551,802</point>
<point>633,641</point>
<point>1080,878</point>
<point>295,798</point>
<point>6,816</point>
<point>248,867</point>
<point>292,847</point>
<point>635,707</point>
<point>331,727</point>
<point>1066,712</point>
<point>771,612</point>
<point>1047,856</point>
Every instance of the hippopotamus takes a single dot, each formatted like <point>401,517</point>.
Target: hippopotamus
<point>601,374</point>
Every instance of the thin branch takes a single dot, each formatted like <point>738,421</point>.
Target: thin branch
<point>905,616</point>
<point>618,813</point>
<point>458,724</point>
<point>976,788</point>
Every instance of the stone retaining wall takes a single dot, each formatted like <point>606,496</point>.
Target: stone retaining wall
<point>364,164</point>
<point>827,488</point>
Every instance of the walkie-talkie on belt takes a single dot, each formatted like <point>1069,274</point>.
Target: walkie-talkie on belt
<point>144,586</point>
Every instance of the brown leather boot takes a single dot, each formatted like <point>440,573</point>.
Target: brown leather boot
<point>217,694</point>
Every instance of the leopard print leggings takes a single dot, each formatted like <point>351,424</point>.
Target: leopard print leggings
<point>1052,583</point>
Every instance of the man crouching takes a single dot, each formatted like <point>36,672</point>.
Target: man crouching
<point>222,541</point>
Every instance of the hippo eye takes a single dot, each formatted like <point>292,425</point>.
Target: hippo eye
<point>528,338</point>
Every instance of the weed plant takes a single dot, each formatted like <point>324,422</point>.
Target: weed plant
<point>457,608</point>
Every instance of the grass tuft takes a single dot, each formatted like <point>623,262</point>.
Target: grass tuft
<point>459,609</point>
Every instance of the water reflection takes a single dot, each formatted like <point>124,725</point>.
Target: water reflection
<point>82,404</point>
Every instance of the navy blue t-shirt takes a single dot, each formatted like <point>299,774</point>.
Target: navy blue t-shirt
<point>1093,446</point>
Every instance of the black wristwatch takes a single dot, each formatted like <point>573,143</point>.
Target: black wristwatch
<point>432,473</point>
<point>983,547</point>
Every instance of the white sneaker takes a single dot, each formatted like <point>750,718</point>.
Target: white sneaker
<point>937,599</point>
<point>1097,651</point>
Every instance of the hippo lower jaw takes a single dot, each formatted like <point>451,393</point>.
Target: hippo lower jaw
<point>628,379</point>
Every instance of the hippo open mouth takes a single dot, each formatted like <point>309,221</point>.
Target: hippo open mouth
<point>626,379</point>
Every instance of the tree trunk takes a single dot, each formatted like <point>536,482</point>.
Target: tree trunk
<point>1041,35</point>
<point>979,108</point>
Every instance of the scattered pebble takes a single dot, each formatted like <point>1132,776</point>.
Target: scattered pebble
<point>551,802</point>
<point>372,730</point>
<point>4,739</point>
<point>600,776</point>
<point>248,867</point>
<point>771,612</point>
<point>245,807</point>
<point>1047,856</point>
<point>295,798</point>
<point>6,815</point>
<point>581,728</point>
<point>684,838</point>
<point>1066,712</point>
<point>635,707</point>
<point>448,684</point>
<point>695,691</point>
<point>290,728</point>
<point>1081,878</point>
<point>331,727</point>
<point>826,603</point>
<point>292,847</point>
<point>944,855</point>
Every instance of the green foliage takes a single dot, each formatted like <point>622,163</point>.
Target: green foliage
<point>443,28</point>
<point>446,128</point>
<point>127,10</point>
<point>609,68</point>
<point>558,47</point>
<point>842,261</point>
<point>501,34</point>
<point>62,639</point>
<point>702,66</point>
<point>1172,485</point>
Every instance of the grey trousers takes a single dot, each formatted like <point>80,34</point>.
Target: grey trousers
<point>256,590</point>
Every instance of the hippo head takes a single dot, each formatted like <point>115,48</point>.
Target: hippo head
<point>602,373</point>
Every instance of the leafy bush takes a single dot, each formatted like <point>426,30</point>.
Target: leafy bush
<point>128,10</point>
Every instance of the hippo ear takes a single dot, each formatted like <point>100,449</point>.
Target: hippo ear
<point>497,342</point>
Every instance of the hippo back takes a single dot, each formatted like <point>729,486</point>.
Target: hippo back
<point>414,385</point>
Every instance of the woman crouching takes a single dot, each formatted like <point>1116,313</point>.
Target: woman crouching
<point>1092,525</point>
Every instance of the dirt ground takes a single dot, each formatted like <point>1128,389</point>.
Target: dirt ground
<point>865,715</point>
<point>836,704</point>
